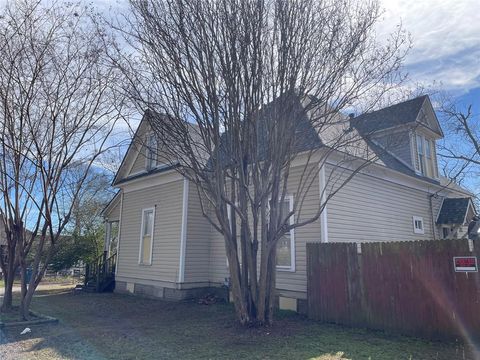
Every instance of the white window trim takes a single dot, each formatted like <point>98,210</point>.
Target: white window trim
<point>422,144</point>
<point>290,268</point>
<point>141,237</point>
<point>432,157</point>
<point>148,152</point>
<point>415,230</point>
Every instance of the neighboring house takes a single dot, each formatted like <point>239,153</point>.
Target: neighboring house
<point>455,217</point>
<point>166,248</point>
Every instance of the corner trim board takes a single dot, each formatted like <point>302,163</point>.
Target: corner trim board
<point>323,199</point>
<point>119,233</point>
<point>183,233</point>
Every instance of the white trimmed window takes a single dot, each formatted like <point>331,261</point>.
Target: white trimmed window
<point>286,244</point>
<point>146,236</point>
<point>151,152</point>
<point>418,225</point>
<point>425,162</point>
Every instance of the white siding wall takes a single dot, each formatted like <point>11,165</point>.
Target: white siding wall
<point>167,200</point>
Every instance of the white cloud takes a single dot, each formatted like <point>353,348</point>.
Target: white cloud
<point>446,39</point>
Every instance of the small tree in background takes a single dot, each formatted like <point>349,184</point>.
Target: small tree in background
<point>58,111</point>
<point>235,89</point>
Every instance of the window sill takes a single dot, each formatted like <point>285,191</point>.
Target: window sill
<point>285,269</point>
<point>144,265</point>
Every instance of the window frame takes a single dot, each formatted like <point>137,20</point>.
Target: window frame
<point>418,230</point>
<point>151,162</point>
<point>140,252</point>
<point>420,140</point>
<point>292,267</point>
<point>429,168</point>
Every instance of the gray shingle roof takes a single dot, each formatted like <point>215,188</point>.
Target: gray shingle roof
<point>399,114</point>
<point>453,211</point>
<point>307,137</point>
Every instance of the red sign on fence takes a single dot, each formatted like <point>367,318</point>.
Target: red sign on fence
<point>465,263</point>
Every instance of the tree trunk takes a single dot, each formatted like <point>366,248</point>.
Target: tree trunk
<point>7,295</point>
<point>25,303</point>
<point>9,280</point>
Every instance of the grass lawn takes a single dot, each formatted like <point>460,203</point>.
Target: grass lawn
<point>111,326</point>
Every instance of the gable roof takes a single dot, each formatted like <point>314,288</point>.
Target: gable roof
<point>404,113</point>
<point>309,138</point>
<point>132,151</point>
<point>454,210</point>
<point>151,119</point>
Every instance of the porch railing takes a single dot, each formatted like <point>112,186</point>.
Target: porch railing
<point>100,272</point>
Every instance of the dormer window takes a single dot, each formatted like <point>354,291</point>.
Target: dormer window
<point>151,151</point>
<point>425,163</point>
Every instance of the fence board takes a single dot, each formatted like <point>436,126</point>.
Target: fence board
<point>404,287</point>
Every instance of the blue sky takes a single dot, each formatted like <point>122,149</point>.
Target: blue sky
<point>445,55</point>
<point>446,42</point>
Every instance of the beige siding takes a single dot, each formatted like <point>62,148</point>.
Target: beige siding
<point>197,249</point>
<point>286,280</point>
<point>218,270</point>
<point>167,200</point>
<point>113,213</point>
<point>371,209</point>
<point>139,163</point>
<point>297,280</point>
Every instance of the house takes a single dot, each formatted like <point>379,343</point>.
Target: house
<point>167,249</point>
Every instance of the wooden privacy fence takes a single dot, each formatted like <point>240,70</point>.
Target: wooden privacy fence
<point>404,287</point>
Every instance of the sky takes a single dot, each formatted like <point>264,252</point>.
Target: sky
<point>445,54</point>
<point>446,42</point>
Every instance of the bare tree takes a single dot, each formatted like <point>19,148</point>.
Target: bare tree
<point>58,110</point>
<point>460,152</point>
<point>242,94</point>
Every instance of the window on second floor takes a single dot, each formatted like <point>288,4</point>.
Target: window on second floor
<point>151,151</point>
<point>425,162</point>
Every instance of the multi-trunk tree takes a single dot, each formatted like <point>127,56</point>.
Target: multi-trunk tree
<point>236,90</point>
<point>58,110</point>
